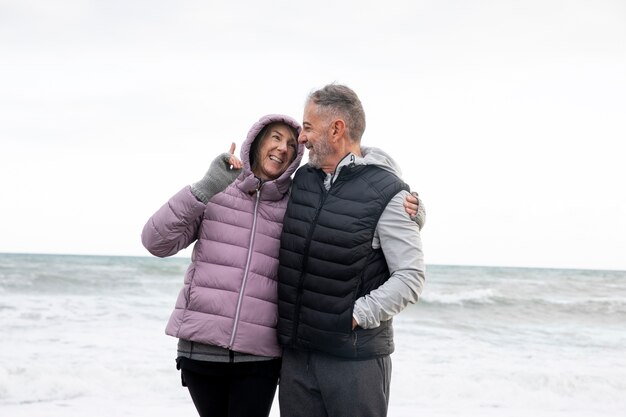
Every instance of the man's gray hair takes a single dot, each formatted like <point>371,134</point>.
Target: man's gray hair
<point>337,100</point>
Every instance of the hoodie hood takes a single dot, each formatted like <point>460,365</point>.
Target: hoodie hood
<point>274,189</point>
<point>378,157</point>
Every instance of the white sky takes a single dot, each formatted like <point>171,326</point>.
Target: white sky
<point>508,117</point>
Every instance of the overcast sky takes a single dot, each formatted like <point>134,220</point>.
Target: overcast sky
<point>508,117</point>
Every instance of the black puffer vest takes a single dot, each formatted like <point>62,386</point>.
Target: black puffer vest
<point>327,261</point>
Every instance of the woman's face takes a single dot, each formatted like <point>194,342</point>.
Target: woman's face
<point>275,152</point>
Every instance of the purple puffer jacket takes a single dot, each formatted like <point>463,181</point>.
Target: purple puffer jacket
<point>229,294</point>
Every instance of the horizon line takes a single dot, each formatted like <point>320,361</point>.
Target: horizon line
<point>427,264</point>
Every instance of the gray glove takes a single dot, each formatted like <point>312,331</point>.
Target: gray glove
<point>217,178</point>
<point>420,216</point>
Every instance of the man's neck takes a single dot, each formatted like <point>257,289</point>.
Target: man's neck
<point>331,165</point>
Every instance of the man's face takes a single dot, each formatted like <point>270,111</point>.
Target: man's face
<point>315,136</point>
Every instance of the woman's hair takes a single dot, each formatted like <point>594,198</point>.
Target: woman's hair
<point>254,148</point>
<point>337,100</point>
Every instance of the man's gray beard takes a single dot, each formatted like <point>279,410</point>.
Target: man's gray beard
<point>322,151</point>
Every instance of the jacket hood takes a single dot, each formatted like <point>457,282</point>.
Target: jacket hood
<point>277,188</point>
<point>378,157</point>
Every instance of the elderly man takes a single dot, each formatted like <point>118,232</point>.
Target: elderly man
<point>351,258</point>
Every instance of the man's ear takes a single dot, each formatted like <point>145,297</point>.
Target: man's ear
<point>338,128</point>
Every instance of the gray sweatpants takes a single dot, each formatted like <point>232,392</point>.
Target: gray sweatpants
<point>317,385</point>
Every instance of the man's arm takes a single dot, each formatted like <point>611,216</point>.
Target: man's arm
<point>401,243</point>
<point>413,204</point>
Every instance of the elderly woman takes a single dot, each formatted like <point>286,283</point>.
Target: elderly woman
<point>225,316</point>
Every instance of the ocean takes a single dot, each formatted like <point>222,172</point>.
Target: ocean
<point>84,336</point>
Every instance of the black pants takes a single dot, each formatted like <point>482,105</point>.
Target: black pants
<point>244,389</point>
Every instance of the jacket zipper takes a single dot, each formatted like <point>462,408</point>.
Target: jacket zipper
<point>247,268</point>
<point>305,261</point>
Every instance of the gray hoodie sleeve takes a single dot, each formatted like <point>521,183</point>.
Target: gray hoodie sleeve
<point>376,156</point>
<point>401,243</point>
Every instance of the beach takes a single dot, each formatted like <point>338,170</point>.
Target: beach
<point>84,336</point>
